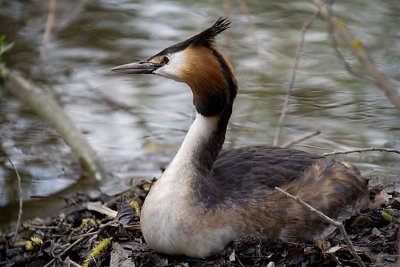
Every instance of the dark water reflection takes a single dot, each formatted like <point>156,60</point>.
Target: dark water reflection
<point>136,123</point>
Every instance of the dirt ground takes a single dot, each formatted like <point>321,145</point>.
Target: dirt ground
<point>86,234</point>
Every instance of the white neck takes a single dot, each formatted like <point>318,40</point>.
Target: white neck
<point>198,136</point>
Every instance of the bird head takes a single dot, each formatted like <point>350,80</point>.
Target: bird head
<point>197,62</point>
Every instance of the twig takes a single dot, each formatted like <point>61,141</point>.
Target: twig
<point>49,26</point>
<point>21,203</point>
<point>66,250</point>
<point>360,53</point>
<point>301,139</point>
<point>71,262</point>
<point>332,38</point>
<point>84,235</point>
<point>363,150</point>
<point>305,27</point>
<point>329,220</point>
<point>41,227</point>
<point>132,226</point>
<point>307,206</point>
<point>240,262</point>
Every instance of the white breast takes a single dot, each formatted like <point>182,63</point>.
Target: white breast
<point>171,223</point>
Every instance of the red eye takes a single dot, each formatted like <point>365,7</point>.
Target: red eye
<point>165,60</point>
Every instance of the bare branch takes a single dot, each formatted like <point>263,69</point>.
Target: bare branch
<point>359,52</point>
<point>305,27</point>
<point>301,139</point>
<point>363,150</point>
<point>332,38</point>
<point>50,263</point>
<point>339,225</point>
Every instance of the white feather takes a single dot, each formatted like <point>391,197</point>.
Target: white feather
<point>168,215</point>
<point>173,69</point>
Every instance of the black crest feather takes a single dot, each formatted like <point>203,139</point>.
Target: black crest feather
<point>209,34</point>
<point>204,38</point>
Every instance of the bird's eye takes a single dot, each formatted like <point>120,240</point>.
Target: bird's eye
<point>165,60</point>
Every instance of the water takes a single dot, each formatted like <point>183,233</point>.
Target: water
<point>136,123</point>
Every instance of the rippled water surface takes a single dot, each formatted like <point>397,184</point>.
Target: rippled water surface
<point>136,123</point>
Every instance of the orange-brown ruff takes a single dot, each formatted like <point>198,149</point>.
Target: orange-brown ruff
<point>208,197</point>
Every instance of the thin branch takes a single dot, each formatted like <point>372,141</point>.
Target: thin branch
<point>49,26</point>
<point>74,264</point>
<point>332,38</point>
<point>329,220</point>
<point>84,235</point>
<point>41,227</point>
<point>310,208</point>
<point>305,27</point>
<point>21,203</point>
<point>301,139</point>
<point>66,250</point>
<point>363,150</point>
<point>359,52</point>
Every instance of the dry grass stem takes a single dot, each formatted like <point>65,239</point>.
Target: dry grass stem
<point>326,218</point>
<point>21,203</point>
<point>50,263</point>
<point>74,264</point>
<point>305,27</point>
<point>42,227</point>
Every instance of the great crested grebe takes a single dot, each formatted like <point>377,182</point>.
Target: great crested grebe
<point>208,197</point>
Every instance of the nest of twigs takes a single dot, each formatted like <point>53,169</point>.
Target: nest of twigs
<point>89,232</point>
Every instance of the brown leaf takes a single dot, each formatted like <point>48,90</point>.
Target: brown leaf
<point>380,199</point>
<point>334,249</point>
<point>322,244</point>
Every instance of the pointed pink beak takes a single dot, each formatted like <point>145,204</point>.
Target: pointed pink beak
<point>141,67</point>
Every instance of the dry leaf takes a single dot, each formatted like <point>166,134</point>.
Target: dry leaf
<point>380,199</point>
<point>333,249</point>
<point>232,257</point>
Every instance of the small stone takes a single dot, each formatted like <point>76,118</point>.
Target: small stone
<point>376,232</point>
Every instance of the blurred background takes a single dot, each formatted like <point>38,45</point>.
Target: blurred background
<point>136,123</point>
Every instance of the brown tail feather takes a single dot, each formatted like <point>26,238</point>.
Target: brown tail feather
<point>336,189</point>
